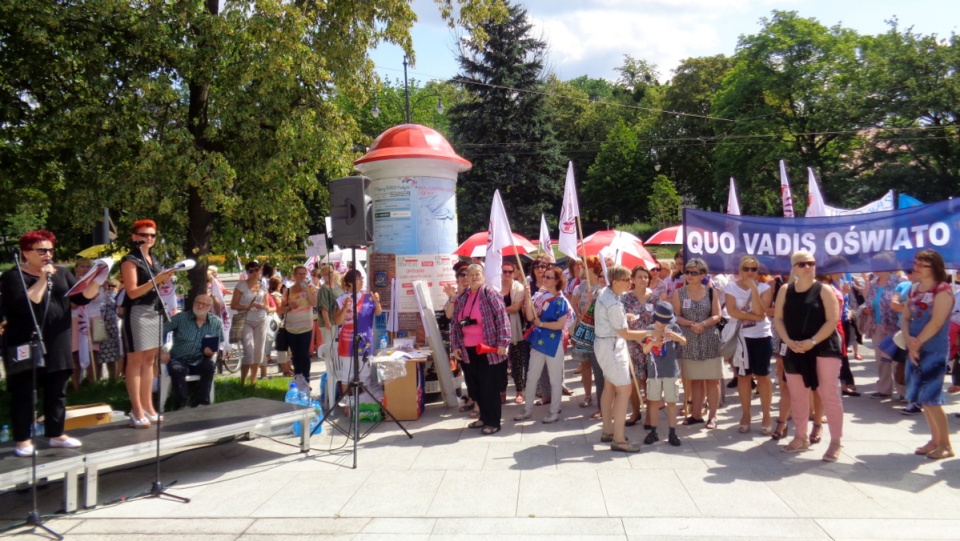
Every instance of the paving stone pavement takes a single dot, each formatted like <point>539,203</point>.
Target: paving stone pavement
<point>535,481</point>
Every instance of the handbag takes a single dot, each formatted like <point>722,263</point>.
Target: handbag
<point>729,337</point>
<point>23,357</point>
<point>585,333</point>
<point>98,330</point>
<point>236,327</point>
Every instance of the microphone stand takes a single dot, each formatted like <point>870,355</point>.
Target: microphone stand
<point>156,488</point>
<point>33,517</point>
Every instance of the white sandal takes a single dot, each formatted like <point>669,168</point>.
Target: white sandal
<point>139,423</point>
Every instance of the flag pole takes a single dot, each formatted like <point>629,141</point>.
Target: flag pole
<point>583,248</point>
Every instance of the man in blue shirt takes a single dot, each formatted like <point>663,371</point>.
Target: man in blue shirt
<point>196,337</point>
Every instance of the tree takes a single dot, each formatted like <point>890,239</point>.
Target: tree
<point>794,93</point>
<point>664,202</point>
<point>618,183</point>
<point>212,123</point>
<point>504,128</point>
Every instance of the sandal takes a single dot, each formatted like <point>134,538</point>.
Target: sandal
<point>490,430</point>
<point>712,423</point>
<point>833,453</point>
<point>475,424</point>
<point>779,433</point>
<point>796,446</point>
<point>765,429</point>
<point>942,451</point>
<point>586,402</point>
<point>816,434</point>
<point>597,415</point>
<point>926,449</point>
<point>625,447</point>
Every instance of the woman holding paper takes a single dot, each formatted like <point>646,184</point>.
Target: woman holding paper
<point>297,307</point>
<point>142,320</point>
<point>51,306</point>
<point>479,336</point>
<point>925,329</point>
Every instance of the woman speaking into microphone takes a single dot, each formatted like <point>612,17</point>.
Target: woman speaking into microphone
<point>142,320</point>
<point>46,288</point>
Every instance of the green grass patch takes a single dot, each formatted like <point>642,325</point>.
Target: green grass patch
<point>114,392</point>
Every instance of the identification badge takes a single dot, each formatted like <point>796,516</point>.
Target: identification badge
<point>648,307</point>
<point>686,303</point>
<point>928,297</point>
<point>783,349</point>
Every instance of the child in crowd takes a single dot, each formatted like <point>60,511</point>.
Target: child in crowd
<point>663,370</point>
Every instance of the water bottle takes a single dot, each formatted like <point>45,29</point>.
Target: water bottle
<point>293,395</point>
<point>383,343</point>
<point>5,434</point>
<point>38,429</point>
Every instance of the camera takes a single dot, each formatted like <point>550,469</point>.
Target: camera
<point>467,321</point>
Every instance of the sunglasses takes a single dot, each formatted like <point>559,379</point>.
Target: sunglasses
<point>461,275</point>
<point>541,266</point>
<point>551,277</point>
<point>42,251</point>
<point>806,264</point>
<point>507,271</point>
<point>147,235</point>
<point>921,265</point>
<point>692,273</point>
<point>749,269</point>
<point>655,269</point>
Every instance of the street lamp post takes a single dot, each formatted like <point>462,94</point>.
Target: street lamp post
<point>406,97</point>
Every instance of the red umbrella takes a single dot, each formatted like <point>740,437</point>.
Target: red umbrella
<point>628,247</point>
<point>476,246</point>
<point>670,235</point>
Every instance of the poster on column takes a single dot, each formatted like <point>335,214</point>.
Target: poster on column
<point>414,215</point>
<point>879,241</point>
<point>434,270</point>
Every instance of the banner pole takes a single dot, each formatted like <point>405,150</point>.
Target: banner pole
<point>583,249</point>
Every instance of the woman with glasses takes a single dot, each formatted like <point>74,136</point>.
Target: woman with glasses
<point>452,292</point>
<point>657,285</point>
<point>251,298</point>
<point>925,329</point>
<point>638,303</point>
<point>610,346</point>
<point>746,301</point>
<point>515,295</point>
<point>548,312</point>
<point>701,363</point>
<point>51,307</point>
<point>535,281</point>
<point>367,307</point>
<point>479,322</point>
<point>807,314</point>
<point>142,323</point>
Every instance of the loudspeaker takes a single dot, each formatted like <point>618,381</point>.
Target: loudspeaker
<point>351,211</point>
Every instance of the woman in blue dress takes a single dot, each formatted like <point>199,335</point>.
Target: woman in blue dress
<point>925,332</point>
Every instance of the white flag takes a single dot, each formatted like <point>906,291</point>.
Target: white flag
<point>733,205</point>
<point>569,212</point>
<point>815,204</point>
<point>545,244</point>
<point>785,194</point>
<point>498,238</point>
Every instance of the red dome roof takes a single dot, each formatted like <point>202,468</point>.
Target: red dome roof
<point>412,141</point>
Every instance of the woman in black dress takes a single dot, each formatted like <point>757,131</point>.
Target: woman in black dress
<point>47,287</point>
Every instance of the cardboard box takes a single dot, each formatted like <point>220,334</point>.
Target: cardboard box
<point>89,415</point>
<point>404,396</point>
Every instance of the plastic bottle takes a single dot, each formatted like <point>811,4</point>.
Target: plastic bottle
<point>293,395</point>
<point>38,429</point>
<point>5,434</point>
<point>383,343</point>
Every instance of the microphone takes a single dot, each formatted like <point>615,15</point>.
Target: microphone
<point>49,276</point>
<point>138,242</point>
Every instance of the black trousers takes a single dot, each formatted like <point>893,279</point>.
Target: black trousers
<point>300,353</point>
<point>178,380</point>
<point>487,382</point>
<point>53,388</point>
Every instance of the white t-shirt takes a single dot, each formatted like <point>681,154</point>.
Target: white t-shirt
<point>749,329</point>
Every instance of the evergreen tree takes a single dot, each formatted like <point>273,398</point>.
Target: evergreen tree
<point>504,128</point>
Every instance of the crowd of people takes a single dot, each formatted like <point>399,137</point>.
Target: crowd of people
<point>657,337</point>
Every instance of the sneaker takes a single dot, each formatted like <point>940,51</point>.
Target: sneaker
<point>911,409</point>
<point>552,418</point>
<point>902,399</point>
<point>521,416</point>
<point>674,440</point>
<point>68,443</point>
<point>23,452</point>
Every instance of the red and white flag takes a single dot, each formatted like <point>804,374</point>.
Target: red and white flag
<point>498,238</point>
<point>569,212</point>
<point>785,194</point>
<point>733,204</point>
<point>816,207</point>
<point>545,244</point>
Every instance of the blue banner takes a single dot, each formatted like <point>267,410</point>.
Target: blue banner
<point>857,243</point>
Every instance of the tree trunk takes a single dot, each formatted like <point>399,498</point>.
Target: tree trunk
<point>199,219</point>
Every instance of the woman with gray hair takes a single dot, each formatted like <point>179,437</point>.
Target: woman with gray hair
<point>612,332</point>
<point>698,310</point>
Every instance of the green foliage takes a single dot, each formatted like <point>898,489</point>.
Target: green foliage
<point>617,187</point>
<point>664,202</point>
<point>504,129</point>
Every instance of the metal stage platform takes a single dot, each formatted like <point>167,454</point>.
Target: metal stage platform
<point>117,444</point>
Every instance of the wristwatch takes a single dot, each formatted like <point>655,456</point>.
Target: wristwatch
<point>812,341</point>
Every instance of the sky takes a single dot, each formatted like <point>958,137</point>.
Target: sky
<point>590,37</point>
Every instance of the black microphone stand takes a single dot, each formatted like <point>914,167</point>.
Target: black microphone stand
<point>156,488</point>
<point>33,517</point>
<point>356,386</point>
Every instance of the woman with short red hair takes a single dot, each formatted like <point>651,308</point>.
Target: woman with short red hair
<point>142,320</point>
<point>45,296</point>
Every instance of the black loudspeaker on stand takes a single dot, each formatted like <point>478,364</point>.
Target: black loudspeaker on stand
<point>351,213</point>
